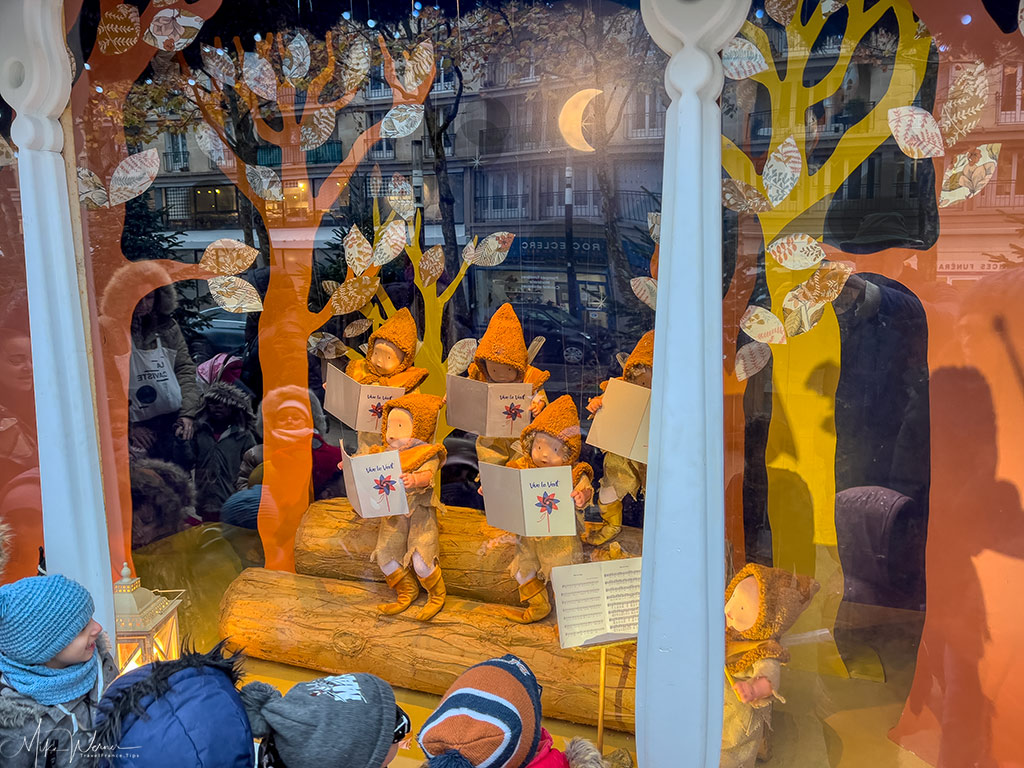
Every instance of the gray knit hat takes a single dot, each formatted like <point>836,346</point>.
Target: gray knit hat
<point>345,721</point>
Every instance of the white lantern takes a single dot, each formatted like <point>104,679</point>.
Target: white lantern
<point>146,623</point>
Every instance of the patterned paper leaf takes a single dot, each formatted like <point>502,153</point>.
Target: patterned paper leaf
<point>325,345</point>
<point>827,282</point>
<point>91,191</point>
<point>782,171</point>
<point>965,103</point>
<point>259,76</point>
<point>119,29</point>
<point>751,358</point>
<point>968,174</point>
<point>7,156</point>
<point>654,225</point>
<point>743,198</point>
<point>646,289</point>
<point>401,197</point>
<point>1020,17</point>
<point>782,11</point>
<point>432,264</point>
<point>390,242</point>
<point>460,356</point>
<point>228,257</point>
<point>469,251</point>
<point>264,182</point>
<point>492,251</point>
<point>357,328</point>
<point>167,70</point>
<point>133,176</point>
<point>800,312</point>
<point>314,133</point>
<point>742,59</point>
<point>329,286</point>
<point>916,132</point>
<point>235,294</point>
<point>358,251</point>
<point>172,30</point>
<point>418,65</point>
<point>761,325</point>
<point>295,64</point>
<point>353,294</point>
<point>798,251</point>
<point>401,121</point>
<point>218,65</point>
<point>828,7</point>
<point>355,65</point>
<point>209,142</point>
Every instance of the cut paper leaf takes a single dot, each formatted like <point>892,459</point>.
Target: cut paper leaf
<point>167,71</point>
<point>781,11</point>
<point>317,130</point>
<point>390,242</point>
<point>264,182</point>
<point>401,198</point>
<point>209,142</point>
<point>228,257</point>
<point>469,251</point>
<point>355,65</point>
<point>259,76</point>
<point>827,282</point>
<point>964,104</point>
<point>492,251</point>
<point>119,29</point>
<point>916,132</point>
<point>357,328</point>
<point>173,30</point>
<point>218,65</point>
<point>133,176</point>
<point>401,121</point>
<point>751,358</point>
<point>353,294</point>
<point>329,286</point>
<point>782,171</point>
<point>460,356</point>
<point>364,348</point>
<point>828,7</point>
<point>91,191</point>
<point>418,65</point>
<point>295,64</point>
<point>358,251</point>
<point>743,198</point>
<point>798,251</point>
<point>968,174</point>
<point>7,156</point>
<point>325,345</point>
<point>654,225</point>
<point>646,289</point>
<point>235,294</point>
<point>742,59</point>
<point>761,325</point>
<point>800,313</point>
<point>432,264</point>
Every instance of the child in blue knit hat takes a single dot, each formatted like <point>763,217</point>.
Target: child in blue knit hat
<point>54,663</point>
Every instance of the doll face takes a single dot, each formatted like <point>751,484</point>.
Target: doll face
<point>78,650</point>
<point>744,605</point>
<point>500,373</point>
<point>399,425</point>
<point>385,357</point>
<point>641,376</point>
<point>547,451</point>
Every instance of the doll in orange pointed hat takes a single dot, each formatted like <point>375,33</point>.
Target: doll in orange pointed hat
<point>621,475</point>
<point>552,440</point>
<point>502,358</point>
<point>390,353</point>
<point>761,605</point>
<point>407,545</point>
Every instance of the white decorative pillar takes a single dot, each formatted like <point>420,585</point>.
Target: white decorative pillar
<point>681,650</point>
<point>35,79</point>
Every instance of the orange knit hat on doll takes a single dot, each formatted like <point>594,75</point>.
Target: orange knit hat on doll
<point>400,330</point>
<point>561,421</point>
<point>503,341</point>
<point>642,355</point>
<point>424,410</point>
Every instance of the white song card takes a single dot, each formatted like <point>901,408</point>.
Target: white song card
<point>359,406</point>
<point>490,410</point>
<point>374,485</point>
<point>597,602</point>
<point>624,421</point>
<point>529,502</point>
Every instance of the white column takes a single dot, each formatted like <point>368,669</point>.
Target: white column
<point>35,79</point>
<point>682,630</point>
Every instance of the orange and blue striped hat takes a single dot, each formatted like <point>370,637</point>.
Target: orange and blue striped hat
<point>489,718</point>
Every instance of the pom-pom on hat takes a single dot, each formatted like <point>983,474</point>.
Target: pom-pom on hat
<point>489,717</point>
<point>40,616</point>
<point>400,330</point>
<point>503,341</point>
<point>560,420</point>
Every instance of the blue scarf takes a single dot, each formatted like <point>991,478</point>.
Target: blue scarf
<point>51,686</point>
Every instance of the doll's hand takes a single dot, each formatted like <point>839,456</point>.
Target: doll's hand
<point>480,490</point>
<point>595,404</point>
<point>753,690</point>
<point>537,404</point>
<point>583,493</point>
<point>414,480</point>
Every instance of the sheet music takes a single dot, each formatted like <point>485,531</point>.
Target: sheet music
<point>622,595</point>
<point>597,602</point>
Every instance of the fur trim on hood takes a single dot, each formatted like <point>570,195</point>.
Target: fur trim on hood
<point>145,272</point>
<point>233,397</point>
<point>582,754</point>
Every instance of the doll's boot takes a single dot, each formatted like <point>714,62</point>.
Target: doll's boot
<point>535,594</point>
<point>436,594</point>
<point>609,527</point>
<point>405,586</point>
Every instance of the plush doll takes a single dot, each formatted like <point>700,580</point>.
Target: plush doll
<point>408,426</point>
<point>501,358</point>
<point>390,353</point>
<point>621,476</point>
<point>761,605</point>
<point>552,440</point>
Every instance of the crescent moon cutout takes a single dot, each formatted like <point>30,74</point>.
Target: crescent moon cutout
<point>570,119</point>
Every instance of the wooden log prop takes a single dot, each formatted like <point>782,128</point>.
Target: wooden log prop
<point>334,626</point>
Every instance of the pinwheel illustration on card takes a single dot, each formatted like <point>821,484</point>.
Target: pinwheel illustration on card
<point>513,412</point>
<point>384,485</point>
<point>547,503</point>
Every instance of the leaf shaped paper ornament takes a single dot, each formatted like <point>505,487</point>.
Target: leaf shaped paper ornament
<point>418,65</point>
<point>91,192</point>
<point>259,76</point>
<point>432,264</point>
<point>743,198</point>
<point>295,64</point>
<point>209,142</point>
<point>782,11</point>
<point>264,182</point>
<point>742,59</point>
<point>646,289</point>
<point>401,120</point>
<point>782,171</point>
<point>357,328</point>
<point>916,132</point>
<point>469,251</point>
<point>7,156</point>
<point>828,7</point>
<point>492,251</point>
<point>235,294</point>
<point>761,325</point>
<point>119,30</point>
<point>316,130</point>
<point>172,29</point>
<point>460,356</point>
<point>968,174</point>
<point>751,358</point>
<point>218,65</point>
<point>654,225</point>
<point>325,345</point>
<point>228,257</point>
<point>133,176</point>
<point>353,294</point>
<point>827,282</point>
<point>401,198</point>
<point>329,286</point>
<point>964,104</point>
<point>798,251</point>
<point>390,242</point>
<point>358,251</point>
<point>800,312</point>
<point>355,65</point>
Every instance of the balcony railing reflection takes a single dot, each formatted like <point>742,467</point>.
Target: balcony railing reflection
<point>1010,111</point>
<point>502,207</point>
<point>514,138</point>
<point>177,161</point>
<point>645,125</point>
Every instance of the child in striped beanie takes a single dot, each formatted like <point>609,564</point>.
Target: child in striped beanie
<point>491,716</point>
